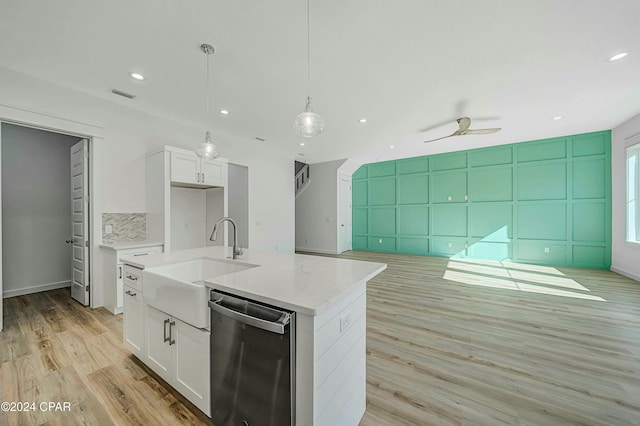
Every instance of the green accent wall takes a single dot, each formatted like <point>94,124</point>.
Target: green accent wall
<point>545,202</point>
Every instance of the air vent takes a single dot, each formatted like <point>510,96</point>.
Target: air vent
<point>123,94</point>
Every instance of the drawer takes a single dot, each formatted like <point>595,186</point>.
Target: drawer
<point>139,252</point>
<point>133,277</point>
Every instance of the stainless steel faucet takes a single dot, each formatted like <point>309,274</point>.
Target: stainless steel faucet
<point>236,251</point>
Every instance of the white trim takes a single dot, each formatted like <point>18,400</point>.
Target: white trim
<point>314,250</point>
<point>45,121</point>
<point>625,273</point>
<point>36,289</point>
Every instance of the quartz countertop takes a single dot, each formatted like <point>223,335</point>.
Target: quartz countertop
<point>130,245</point>
<point>301,283</point>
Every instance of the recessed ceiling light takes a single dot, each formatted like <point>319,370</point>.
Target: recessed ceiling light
<point>362,120</point>
<point>557,117</point>
<point>224,112</point>
<point>136,76</point>
<point>301,143</point>
<point>618,56</point>
<point>392,146</point>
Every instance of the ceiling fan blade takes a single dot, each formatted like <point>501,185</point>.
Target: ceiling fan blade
<point>444,137</point>
<point>482,131</point>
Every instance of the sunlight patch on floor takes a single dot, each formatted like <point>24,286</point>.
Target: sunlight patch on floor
<point>467,273</point>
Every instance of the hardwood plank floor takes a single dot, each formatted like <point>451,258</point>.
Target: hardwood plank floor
<point>448,342</point>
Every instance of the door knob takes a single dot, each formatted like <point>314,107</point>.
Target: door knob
<point>68,241</point>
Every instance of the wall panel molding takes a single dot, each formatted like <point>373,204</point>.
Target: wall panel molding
<point>546,202</point>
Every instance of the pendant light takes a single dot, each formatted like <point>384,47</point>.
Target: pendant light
<point>308,124</point>
<point>207,149</point>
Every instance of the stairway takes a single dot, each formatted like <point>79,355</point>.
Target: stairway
<point>302,177</point>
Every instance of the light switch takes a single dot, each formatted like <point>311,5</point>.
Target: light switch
<point>380,241</point>
<point>546,249</point>
<point>449,198</point>
<point>449,245</point>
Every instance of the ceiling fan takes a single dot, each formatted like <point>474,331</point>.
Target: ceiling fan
<point>464,129</point>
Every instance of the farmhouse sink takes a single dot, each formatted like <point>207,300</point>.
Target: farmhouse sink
<point>178,289</point>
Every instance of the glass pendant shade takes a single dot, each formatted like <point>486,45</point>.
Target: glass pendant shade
<point>207,149</point>
<point>308,124</point>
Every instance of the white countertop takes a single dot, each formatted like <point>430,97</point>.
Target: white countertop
<point>130,245</point>
<point>301,283</point>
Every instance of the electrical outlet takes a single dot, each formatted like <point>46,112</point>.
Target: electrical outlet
<point>450,245</point>
<point>108,229</point>
<point>380,241</point>
<point>546,249</point>
<point>449,198</point>
<point>345,321</point>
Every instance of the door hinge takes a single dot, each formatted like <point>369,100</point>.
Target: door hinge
<point>86,243</point>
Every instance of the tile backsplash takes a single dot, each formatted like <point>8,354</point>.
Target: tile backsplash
<point>124,227</point>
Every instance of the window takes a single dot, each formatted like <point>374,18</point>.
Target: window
<point>633,193</point>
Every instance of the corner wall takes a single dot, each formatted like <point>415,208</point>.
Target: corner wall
<point>625,256</point>
<point>545,202</point>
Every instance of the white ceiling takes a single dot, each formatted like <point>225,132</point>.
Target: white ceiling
<point>411,67</point>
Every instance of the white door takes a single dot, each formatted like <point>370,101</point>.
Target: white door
<point>80,221</point>
<point>345,220</point>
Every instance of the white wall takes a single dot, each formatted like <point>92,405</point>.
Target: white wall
<point>129,133</point>
<point>36,210</point>
<point>625,256</point>
<point>317,210</point>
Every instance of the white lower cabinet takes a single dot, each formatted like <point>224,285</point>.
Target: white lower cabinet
<point>179,353</point>
<point>133,321</point>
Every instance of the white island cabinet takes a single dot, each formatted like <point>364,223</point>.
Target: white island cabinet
<point>328,296</point>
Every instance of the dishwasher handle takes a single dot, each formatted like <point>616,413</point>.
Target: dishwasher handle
<point>277,326</point>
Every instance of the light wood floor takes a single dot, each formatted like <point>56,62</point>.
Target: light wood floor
<point>448,342</point>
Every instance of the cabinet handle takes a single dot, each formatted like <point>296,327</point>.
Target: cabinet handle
<point>171,339</point>
<point>203,178</point>
<point>119,272</point>
<point>132,277</point>
<point>167,338</point>
<point>130,293</point>
<point>141,254</point>
<point>198,177</point>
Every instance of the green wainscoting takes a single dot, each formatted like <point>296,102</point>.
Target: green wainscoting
<point>546,202</point>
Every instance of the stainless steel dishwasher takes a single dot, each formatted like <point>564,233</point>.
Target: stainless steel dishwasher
<point>252,363</point>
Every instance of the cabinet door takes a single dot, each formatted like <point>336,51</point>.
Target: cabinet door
<point>213,172</point>
<point>192,364</point>
<point>158,352</point>
<point>185,168</point>
<point>133,321</point>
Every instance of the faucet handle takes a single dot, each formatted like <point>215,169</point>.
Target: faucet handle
<point>239,251</point>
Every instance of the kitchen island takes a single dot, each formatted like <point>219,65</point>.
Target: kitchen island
<point>327,295</point>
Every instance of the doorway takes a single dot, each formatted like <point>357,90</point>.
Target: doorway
<point>36,210</point>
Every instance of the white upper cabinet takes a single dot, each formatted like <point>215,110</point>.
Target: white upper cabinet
<point>189,169</point>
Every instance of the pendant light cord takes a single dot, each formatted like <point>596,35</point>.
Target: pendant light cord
<point>308,53</point>
<point>208,90</point>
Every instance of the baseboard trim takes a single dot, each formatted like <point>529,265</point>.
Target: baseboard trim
<point>625,273</point>
<point>36,289</point>
<point>313,250</point>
